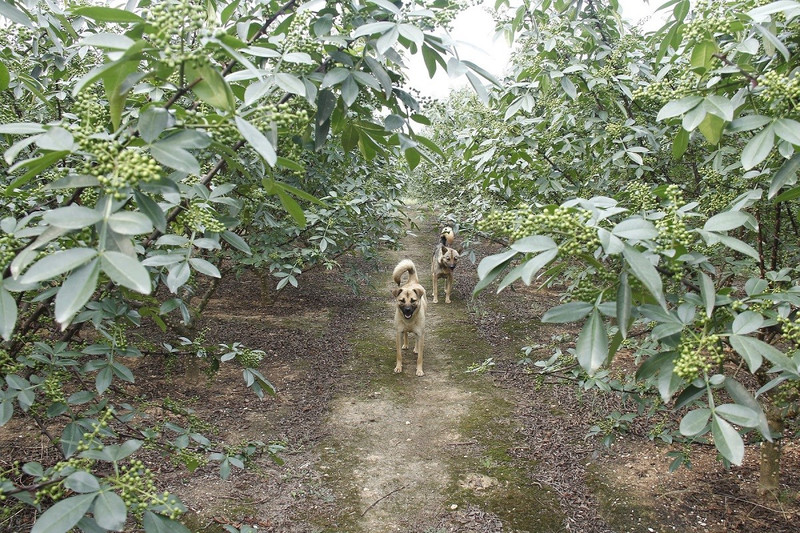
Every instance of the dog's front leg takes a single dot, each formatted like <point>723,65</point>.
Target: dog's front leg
<point>420,343</point>
<point>448,284</point>
<point>435,288</point>
<point>399,366</point>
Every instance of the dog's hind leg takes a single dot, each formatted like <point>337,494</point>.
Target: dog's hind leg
<point>448,284</point>
<point>399,366</point>
<point>404,345</point>
<point>419,345</point>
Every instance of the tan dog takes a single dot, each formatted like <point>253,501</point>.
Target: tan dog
<point>409,315</point>
<point>448,236</point>
<point>442,266</point>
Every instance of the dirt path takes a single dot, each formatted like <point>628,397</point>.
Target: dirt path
<point>424,453</point>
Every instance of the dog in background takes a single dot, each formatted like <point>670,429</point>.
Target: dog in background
<point>444,262</point>
<point>409,315</point>
<point>447,236</point>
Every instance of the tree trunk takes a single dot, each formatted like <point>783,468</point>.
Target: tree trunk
<point>769,481</point>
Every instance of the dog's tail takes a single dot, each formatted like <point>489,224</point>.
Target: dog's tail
<point>406,265</point>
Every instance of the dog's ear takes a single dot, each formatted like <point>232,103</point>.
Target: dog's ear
<point>396,292</point>
<point>420,291</point>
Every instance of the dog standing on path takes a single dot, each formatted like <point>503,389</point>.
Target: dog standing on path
<point>409,315</point>
<point>443,263</point>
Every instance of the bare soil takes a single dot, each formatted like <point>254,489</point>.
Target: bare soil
<point>457,450</point>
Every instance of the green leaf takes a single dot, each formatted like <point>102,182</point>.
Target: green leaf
<point>126,270</point>
<point>56,264</point>
<point>8,313</point>
<point>727,440</point>
<point>156,523</point>
<point>534,243</point>
<point>5,77</point>
<point>655,363</point>
<point>209,85</point>
<point>752,350</point>
<point>645,272</point>
<point>293,208</point>
<point>711,127</point>
<point>703,55</point>
<point>747,322</point>
<point>758,148</point>
<point>130,223</point>
<point>82,481</point>
<point>635,228</point>
<point>727,220</point>
<point>695,421</point>
<point>257,140</point>
<point>110,511</point>
<point>34,167</point>
<point>204,267</point>
<point>12,13</point>
<point>491,262</point>
<point>72,217</point>
<point>6,411</point>
<point>21,128</point>
<point>152,122</point>
<point>680,144</point>
<point>112,41</point>
<point>738,414</point>
<point>676,108</point>
<point>151,209</point>
<point>743,397</point>
<point>76,291</point>
<point>412,156</point>
<point>236,241</point>
<point>175,157</point>
<point>624,304</point>
<point>107,14</point>
<point>591,348</point>
<point>63,516</point>
<point>788,130</point>
<point>787,174</point>
<point>568,312</point>
<point>708,293</point>
<point>70,438</point>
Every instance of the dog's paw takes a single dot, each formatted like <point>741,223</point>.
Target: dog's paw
<point>436,300</point>
<point>447,301</point>
<point>398,369</point>
<point>420,372</point>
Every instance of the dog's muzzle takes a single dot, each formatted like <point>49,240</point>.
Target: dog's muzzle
<point>408,312</point>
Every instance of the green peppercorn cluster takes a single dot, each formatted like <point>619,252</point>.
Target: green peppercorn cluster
<point>790,329</point>
<point>589,287</point>
<point>673,87</point>
<point>249,358</point>
<point>53,387</point>
<point>566,224</point>
<point>171,22</point>
<point>201,218</point>
<point>118,335</point>
<point>698,355</point>
<point>787,394</point>
<point>92,115</point>
<point>640,196</point>
<point>117,169</point>
<point>8,247</point>
<point>8,365</point>
<point>779,91</point>
<point>718,189</point>
<point>672,230</point>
